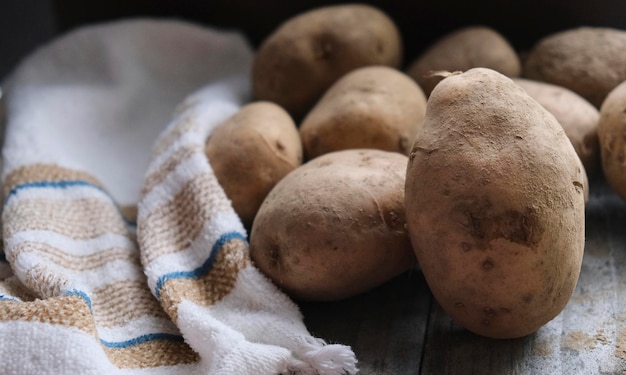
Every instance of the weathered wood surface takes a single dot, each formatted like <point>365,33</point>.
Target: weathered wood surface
<point>385,327</point>
<point>398,328</point>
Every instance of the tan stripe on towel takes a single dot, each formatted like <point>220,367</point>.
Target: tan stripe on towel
<point>152,354</point>
<point>71,311</point>
<point>45,283</point>
<point>78,219</point>
<point>211,287</point>
<point>177,223</point>
<point>168,166</point>
<point>185,124</point>
<point>44,172</point>
<point>71,261</point>
<point>122,301</point>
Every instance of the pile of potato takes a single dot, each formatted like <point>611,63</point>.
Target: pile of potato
<point>349,169</point>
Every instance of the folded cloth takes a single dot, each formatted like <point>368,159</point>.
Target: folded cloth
<point>122,253</point>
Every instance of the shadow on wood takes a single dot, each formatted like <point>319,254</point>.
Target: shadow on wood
<point>385,326</point>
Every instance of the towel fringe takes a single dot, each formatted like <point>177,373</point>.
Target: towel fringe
<point>324,359</point>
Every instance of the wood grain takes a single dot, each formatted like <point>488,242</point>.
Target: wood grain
<point>385,327</point>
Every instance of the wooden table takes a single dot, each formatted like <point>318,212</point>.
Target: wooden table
<point>399,328</point>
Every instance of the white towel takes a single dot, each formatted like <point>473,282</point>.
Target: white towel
<point>122,254</point>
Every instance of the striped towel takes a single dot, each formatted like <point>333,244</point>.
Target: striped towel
<point>122,254</point>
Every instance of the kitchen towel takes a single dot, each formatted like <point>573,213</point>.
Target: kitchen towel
<point>121,252</point>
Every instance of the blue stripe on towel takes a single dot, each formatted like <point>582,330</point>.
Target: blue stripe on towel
<point>7,298</point>
<point>204,268</point>
<point>142,339</point>
<point>80,294</point>
<point>3,257</point>
<point>118,344</point>
<point>63,184</point>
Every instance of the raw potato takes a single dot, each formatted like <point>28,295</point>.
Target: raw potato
<point>470,47</point>
<point>309,52</point>
<point>495,206</point>
<point>586,60</point>
<point>251,152</point>
<point>372,107</point>
<point>335,227</point>
<point>612,133</point>
<point>577,116</point>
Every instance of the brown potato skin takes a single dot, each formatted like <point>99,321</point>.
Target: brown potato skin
<point>586,60</point>
<point>577,116</point>
<point>250,152</point>
<point>463,49</point>
<point>495,205</point>
<point>372,107</point>
<point>612,134</point>
<point>335,227</point>
<point>309,52</point>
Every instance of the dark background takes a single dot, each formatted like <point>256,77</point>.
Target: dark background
<point>25,24</point>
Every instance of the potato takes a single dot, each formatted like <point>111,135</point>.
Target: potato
<point>577,116</point>
<point>335,227</point>
<point>251,152</point>
<point>463,49</point>
<point>372,107</point>
<point>494,205</point>
<point>309,52</point>
<point>612,135</point>
<point>586,60</point>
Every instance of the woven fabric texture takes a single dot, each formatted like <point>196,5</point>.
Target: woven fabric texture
<point>121,252</point>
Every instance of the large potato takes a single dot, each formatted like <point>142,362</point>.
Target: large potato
<point>463,49</point>
<point>577,116</point>
<point>612,134</point>
<point>309,52</point>
<point>495,205</point>
<point>251,152</point>
<point>372,107</point>
<point>335,226</point>
<point>586,60</point>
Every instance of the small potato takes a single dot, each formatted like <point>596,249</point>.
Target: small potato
<point>470,47</point>
<point>309,52</point>
<point>495,205</point>
<point>372,107</point>
<point>612,134</point>
<point>586,60</point>
<point>577,116</point>
<point>335,227</point>
<point>251,152</point>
